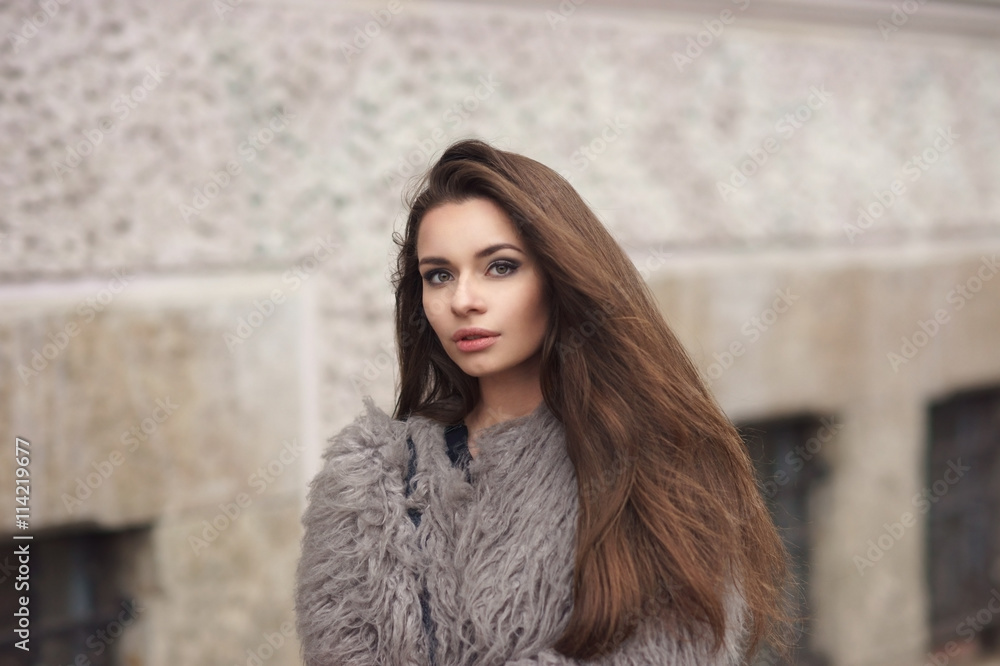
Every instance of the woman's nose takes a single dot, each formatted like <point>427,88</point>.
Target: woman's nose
<point>466,295</point>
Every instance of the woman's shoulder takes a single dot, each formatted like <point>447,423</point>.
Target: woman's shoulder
<point>358,453</point>
<point>355,507</point>
<point>371,431</point>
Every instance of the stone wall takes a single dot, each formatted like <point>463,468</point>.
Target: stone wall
<point>822,333</point>
<point>145,416</point>
<point>198,202</point>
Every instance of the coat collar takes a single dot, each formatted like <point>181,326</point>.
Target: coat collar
<point>497,444</point>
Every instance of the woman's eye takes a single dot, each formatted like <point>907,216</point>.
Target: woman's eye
<point>431,275</point>
<point>504,267</point>
<point>500,268</point>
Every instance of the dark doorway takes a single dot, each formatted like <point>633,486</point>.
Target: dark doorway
<point>81,597</point>
<point>962,495</point>
<point>788,456</point>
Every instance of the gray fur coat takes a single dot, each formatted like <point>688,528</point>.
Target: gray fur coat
<point>492,561</point>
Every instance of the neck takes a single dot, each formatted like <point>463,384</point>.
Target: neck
<point>515,394</point>
<point>504,406</point>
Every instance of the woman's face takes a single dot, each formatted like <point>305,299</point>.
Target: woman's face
<point>476,273</point>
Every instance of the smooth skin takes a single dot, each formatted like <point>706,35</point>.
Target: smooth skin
<point>476,272</point>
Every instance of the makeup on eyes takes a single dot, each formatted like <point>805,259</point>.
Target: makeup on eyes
<point>511,266</point>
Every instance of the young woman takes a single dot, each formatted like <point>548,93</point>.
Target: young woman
<point>556,485</point>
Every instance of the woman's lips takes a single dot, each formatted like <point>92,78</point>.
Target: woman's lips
<point>476,344</point>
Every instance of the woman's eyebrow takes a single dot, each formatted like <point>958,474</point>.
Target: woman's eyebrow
<point>485,252</point>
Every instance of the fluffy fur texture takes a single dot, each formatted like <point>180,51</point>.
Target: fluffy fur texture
<point>496,555</point>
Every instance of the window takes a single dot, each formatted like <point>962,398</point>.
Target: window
<point>80,597</point>
<point>962,491</point>
<point>787,454</point>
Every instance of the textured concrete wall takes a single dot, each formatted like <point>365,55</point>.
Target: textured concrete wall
<point>356,121</point>
<point>268,144</point>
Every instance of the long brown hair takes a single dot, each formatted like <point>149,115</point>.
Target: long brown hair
<point>670,514</point>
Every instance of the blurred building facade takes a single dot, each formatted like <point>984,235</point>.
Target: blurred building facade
<point>195,244</point>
